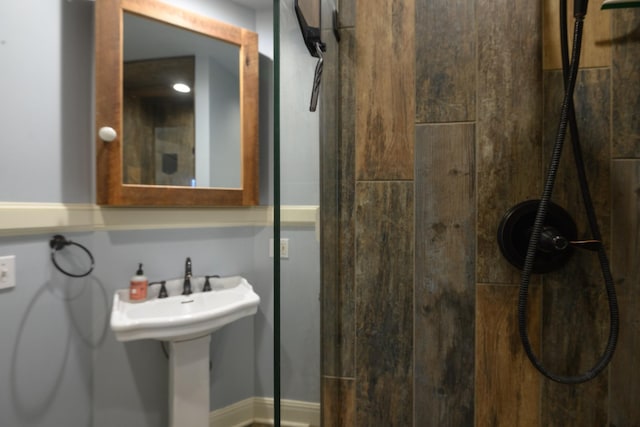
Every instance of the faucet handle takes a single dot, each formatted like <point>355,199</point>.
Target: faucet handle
<point>207,285</point>
<point>163,290</point>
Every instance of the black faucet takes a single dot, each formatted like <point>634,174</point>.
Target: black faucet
<point>186,289</point>
<point>207,285</point>
<point>163,290</point>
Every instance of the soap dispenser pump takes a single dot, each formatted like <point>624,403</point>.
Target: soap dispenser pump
<point>138,286</point>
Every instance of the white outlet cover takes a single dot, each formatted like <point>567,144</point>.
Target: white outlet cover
<point>7,272</point>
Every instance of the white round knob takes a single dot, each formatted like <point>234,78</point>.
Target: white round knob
<point>107,133</point>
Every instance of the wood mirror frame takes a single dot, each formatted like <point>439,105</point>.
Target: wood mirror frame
<point>109,95</point>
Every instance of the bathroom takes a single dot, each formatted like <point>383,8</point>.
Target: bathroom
<point>483,80</point>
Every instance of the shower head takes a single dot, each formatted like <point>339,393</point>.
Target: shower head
<point>619,4</point>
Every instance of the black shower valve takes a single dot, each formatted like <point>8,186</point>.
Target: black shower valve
<point>551,240</point>
<point>557,238</point>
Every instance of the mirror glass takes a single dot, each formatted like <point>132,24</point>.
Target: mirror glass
<point>191,144</point>
<point>184,135</point>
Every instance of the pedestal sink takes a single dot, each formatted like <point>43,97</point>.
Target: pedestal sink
<point>186,322</point>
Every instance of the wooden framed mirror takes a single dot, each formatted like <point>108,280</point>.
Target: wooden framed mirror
<point>174,149</point>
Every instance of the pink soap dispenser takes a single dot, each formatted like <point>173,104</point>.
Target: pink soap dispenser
<point>138,286</point>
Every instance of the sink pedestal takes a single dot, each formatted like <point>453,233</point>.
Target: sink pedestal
<point>186,322</point>
<point>189,382</point>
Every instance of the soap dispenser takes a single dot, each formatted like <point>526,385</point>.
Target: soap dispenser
<point>138,286</point>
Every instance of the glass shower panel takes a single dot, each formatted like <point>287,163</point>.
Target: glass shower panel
<point>299,262</point>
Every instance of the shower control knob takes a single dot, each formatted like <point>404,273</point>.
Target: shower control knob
<point>556,240</point>
<point>551,240</point>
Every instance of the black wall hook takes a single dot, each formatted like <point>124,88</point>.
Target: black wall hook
<point>59,242</point>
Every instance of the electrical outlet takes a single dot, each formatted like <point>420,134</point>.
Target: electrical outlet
<point>7,272</point>
<point>284,248</point>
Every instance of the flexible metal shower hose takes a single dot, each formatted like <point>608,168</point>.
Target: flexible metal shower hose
<point>567,118</point>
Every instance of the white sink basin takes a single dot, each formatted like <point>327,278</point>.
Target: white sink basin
<point>181,317</point>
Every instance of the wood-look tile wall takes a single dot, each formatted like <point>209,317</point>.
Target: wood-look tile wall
<point>420,325</point>
<point>624,378</point>
<point>445,274</point>
<point>368,309</point>
<point>337,206</point>
<point>575,308</point>
<point>509,170</point>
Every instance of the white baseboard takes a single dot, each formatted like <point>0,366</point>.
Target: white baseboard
<point>294,413</point>
<point>239,414</point>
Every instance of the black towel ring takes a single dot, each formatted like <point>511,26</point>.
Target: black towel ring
<point>58,242</point>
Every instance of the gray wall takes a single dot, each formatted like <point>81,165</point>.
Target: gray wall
<point>224,127</point>
<point>299,128</point>
<point>300,273</point>
<point>47,341</point>
<point>46,83</point>
<point>59,362</point>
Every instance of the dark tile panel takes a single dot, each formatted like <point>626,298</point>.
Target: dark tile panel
<point>508,125</point>
<point>337,205</point>
<point>338,402</point>
<point>591,100</point>
<point>384,303</point>
<point>445,275</point>
<point>575,309</point>
<point>445,61</point>
<point>595,51</point>
<point>574,335</point>
<point>626,84</point>
<point>385,96</point>
<point>507,385</point>
<point>347,11</point>
<point>346,171</point>
<point>625,369</point>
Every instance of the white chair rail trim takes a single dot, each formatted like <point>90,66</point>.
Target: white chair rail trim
<point>36,218</point>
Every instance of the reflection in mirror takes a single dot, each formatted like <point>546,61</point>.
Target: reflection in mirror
<point>186,135</point>
<point>158,122</point>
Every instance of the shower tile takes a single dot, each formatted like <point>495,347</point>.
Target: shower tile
<point>347,13</point>
<point>445,274</point>
<point>596,49</point>
<point>625,370</point>
<point>507,385</point>
<point>574,334</point>
<point>575,308</point>
<point>626,85</point>
<point>445,61</point>
<point>384,303</point>
<point>338,402</point>
<point>338,183</point>
<point>591,100</point>
<point>385,99</point>
<point>508,127</point>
